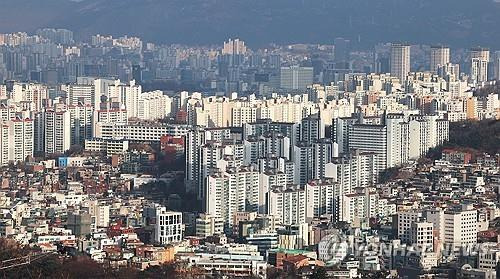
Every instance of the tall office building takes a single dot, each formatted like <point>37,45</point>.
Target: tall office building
<point>440,56</point>
<point>400,61</point>
<point>137,73</point>
<point>341,52</point>
<point>421,234</point>
<point>496,65</point>
<point>481,53</point>
<point>101,90</point>
<point>296,78</point>
<point>274,61</point>
<point>404,221</point>
<point>480,57</point>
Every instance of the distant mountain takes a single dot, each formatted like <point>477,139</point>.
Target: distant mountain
<point>455,22</point>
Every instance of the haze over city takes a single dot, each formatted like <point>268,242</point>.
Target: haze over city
<point>458,23</point>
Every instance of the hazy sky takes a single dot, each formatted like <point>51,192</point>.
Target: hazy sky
<point>454,22</point>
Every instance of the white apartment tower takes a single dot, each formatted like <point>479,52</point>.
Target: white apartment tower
<point>82,122</point>
<point>4,144</point>
<point>276,144</point>
<point>342,127</point>
<point>303,159</point>
<point>288,206</point>
<point>426,132</point>
<point>215,155</point>
<point>373,139</point>
<point>194,140</point>
<point>234,47</point>
<point>400,61</point>
<point>354,170</point>
<point>397,140</point>
<point>359,206</point>
<point>312,128</point>
<point>127,95</point>
<point>323,197</point>
<point>16,140</point>
<point>480,57</point>
<point>324,152</point>
<point>80,93</point>
<point>236,190</point>
<point>154,105</point>
<point>111,115</point>
<point>30,92</point>
<point>21,139</point>
<point>270,179</point>
<point>99,213</point>
<point>242,114</point>
<point>57,134</point>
